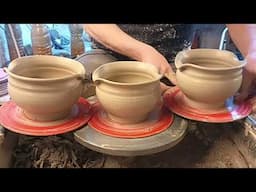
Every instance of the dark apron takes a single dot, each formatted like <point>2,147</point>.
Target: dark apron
<point>168,39</point>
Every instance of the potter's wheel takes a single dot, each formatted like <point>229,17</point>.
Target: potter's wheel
<point>136,143</point>
<point>174,100</point>
<point>12,117</point>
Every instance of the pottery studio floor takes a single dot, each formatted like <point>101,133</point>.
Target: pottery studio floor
<point>217,146</point>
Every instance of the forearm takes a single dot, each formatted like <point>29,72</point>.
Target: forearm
<point>244,37</point>
<point>112,37</point>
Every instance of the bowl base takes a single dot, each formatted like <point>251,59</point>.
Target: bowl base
<point>156,122</point>
<point>123,120</point>
<point>47,117</point>
<point>205,107</point>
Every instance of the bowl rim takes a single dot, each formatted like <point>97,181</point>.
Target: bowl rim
<point>95,77</point>
<point>14,63</point>
<point>186,53</point>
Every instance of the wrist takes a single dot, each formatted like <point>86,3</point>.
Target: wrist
<point>142,51</point>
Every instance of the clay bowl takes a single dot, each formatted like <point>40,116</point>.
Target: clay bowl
<point>208,77</point>
<point>127,90</point>
<point>45,87</point>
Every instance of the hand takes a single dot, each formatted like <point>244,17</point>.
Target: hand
<point>249,75</point>
<point>251,63</point>
<point>253,102</point>
<point>151,55</point>
<point>172,77</point>
<point>165,88</point>
<point>245,87</point>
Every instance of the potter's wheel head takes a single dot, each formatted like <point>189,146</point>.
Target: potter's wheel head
<point>174,101</point>
<point>94,140</point>
<point>12,117</point>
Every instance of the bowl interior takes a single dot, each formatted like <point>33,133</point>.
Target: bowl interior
<point>210,58</point>
<point>45,67</point>
<point>127,72</point>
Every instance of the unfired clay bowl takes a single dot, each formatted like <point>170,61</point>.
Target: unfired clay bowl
<point>45,87</point>
<point>208,77</point>
<point>127,90</point>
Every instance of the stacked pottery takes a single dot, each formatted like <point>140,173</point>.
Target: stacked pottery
<point>3,84</point>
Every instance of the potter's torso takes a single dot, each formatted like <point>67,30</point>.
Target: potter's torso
<point>168,39</point>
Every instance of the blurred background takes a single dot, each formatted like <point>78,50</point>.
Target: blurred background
<point>70,40</point>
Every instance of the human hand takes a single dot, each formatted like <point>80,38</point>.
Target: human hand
<point>249,75</point>
<point>251,63</point>
<point>151,55</point>
<point>171,76</point>
<point>245,87</point>
<point>167,89</point>
<point>163,87</point>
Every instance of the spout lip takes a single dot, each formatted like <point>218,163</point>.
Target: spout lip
<point>182,66</point>
<point>96,78</point>
<point>185,54</point>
